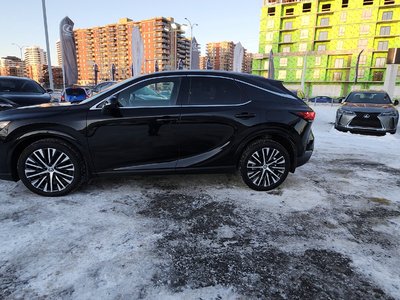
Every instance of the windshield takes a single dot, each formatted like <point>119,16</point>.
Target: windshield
<point>10,85</point>
<point>374,98</point>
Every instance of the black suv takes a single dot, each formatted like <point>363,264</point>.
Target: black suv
<point>184,121</point>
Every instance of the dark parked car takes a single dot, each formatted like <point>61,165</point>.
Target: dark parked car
<point>103,86</point>
<point>23,91</point>
<point>75,94</point>
<point>192,121</point>
<point>367,111</point>
<point>321,99</point>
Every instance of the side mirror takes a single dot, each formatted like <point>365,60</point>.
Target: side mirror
<point>50,91</point>
<point>111,107</point>
<point>396,102</point>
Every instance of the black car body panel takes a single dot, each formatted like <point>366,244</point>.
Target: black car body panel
<point>178,134</point>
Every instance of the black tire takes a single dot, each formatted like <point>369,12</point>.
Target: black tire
<point>51,167</point>
<point>264,165</point>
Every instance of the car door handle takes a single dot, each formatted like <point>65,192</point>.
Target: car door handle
<point>245,115</point>
<point>166,119</point>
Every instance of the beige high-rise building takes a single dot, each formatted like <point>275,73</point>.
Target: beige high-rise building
<point>221,55</point>
<point>35,55</point>
<point>59,54</point>
<point>164,47</point>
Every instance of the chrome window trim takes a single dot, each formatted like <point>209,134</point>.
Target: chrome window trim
<point>94,107</point>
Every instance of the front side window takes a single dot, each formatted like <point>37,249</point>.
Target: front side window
<point>214,91</point>
<point>151,93</point>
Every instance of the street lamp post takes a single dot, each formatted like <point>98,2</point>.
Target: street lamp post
<point>47,45</point>
<point>191,25</point>
<point>20,48</point>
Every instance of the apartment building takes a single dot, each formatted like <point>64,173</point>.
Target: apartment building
<point>35,55</point>
<point>12,66</point>
<point>221,55</point>
<point>323,39</point>
<point>59,53</point>
<point>164,47</point>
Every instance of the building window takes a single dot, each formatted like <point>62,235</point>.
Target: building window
<point>289,12</point>
<point>269,36</point>
<point>363,60</point>
<point>321,47</point>
<point>286,49</point>
<point>266,65</point>
<point>362,43</point>
<point>343,16</point>
<point>345,3</point>
<point>366,14</point>
<point>339,62</point>
<point>318,60</point>
<point>270,23</point>
<point>387,15</point>
<point>268,48</point>
<point>304,34</point>
<point>364,29</point>
<point>300,61</point>
<point>298,74</point>
<point>283,62</point>
<point>317,74</point>
<point>377,76</point>
<point>380,62</point>
<point>306,7</point>
<point>324,22</point>
<point>339,45</point>
<point>271,11</point>
<point>282,74</point>
<point>385,30</point>
<point>289,25</point>
<point>342,30</point>
<point>302,47</point>
<point>361,73</point>
<point>305,20</point>
<point>383,45</point>
<point>337,76</point>
<point>323,35</point>
<point>326,7</point>
<point>287,38</point>
<point>368,2</point>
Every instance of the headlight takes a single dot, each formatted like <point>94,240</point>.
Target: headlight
<point>3,124</point>
<point>389,114</point>
<point>345,112</point>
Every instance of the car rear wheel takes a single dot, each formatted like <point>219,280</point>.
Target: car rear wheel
<point>50,167</point>
<point>264,165</point>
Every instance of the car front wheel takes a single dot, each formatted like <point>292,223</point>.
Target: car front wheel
<point>264,165</point>
<point>50,167</point>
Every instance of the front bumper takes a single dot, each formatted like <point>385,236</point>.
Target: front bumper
<point>366,122</point>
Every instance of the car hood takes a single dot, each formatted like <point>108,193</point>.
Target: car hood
<point>368,107</point>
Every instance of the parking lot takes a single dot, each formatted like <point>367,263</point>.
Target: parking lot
<point>331,231</point>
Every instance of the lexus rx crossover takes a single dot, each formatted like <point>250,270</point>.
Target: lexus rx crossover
<point>166,122</point>
<point>368,111</point>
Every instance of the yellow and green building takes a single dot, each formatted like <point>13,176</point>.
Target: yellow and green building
<point>323,38</point>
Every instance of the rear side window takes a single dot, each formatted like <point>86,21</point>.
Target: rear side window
<point>214,91</point>
<point>76,92</point>
<point>20,86</point>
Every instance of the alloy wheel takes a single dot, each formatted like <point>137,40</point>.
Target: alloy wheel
<point>49,170</point>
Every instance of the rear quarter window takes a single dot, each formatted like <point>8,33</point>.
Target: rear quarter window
<point>214,91</point>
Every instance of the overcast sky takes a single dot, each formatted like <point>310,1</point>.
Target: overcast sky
<point>219,20</point>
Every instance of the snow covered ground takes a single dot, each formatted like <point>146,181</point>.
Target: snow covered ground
<point>332,230</point>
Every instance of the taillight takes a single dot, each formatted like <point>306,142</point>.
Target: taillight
<point>62,98</point>
<point>307,115</point>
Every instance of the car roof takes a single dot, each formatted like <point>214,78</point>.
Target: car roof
<point>16,78</point>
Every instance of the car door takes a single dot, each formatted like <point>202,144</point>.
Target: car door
<point>142,135</point>
<point>210,120</point>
